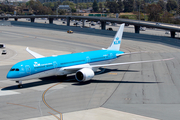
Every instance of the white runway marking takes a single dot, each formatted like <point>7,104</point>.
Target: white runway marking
<point>8,92</point>
<point>97,114</point>
<point>4,80</point>
<point>44,87</point>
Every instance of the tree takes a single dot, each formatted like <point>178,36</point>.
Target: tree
<point>71,5</point>
<point>52,5</point>
<point>7,8</point>
<point>115,7</point>
<point>171,5</point>
<point>128,5</point>
<point>95,6</point>
<point>167,17</point>
<point>162,4</point>
<point>120,5</point>
<point>154,12</point>
<point>81,6</point>
<point>89,4</point>
<point>101,6</point>
<point>37,8</point>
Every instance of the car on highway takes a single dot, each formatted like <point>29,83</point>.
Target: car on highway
<point>142,28</point>
<point>69,31</point>
<point>110,29</point>
<point>76,23</point>
<point>28,19</point>
<point>4,52</point>
<point>98,22</point>
<point>108,23</point>
<point>92,24</point>
<point>126,24</point>
<point>158,23</point>
<point>114,24</point>
<point>168,32</point>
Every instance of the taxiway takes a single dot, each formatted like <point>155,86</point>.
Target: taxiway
<point>140,91</point>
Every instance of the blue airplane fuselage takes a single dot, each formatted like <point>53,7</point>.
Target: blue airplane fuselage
<point>39,65</point>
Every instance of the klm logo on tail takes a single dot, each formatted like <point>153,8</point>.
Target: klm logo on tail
<point>117,41</point>
<point>115,45</point>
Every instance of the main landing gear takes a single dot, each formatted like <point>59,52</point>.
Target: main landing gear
<point>19,84</point>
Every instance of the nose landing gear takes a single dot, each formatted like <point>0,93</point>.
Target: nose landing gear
<point>19,84</point>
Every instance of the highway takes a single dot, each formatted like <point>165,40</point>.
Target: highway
<point>103,20</point>
<point>130,28</point>
<point>148,91</point>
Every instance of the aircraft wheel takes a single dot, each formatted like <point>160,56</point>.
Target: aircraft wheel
<point>20,86</point>
<point>64,76</point>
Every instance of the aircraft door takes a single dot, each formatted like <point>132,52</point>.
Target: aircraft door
<point>87,59</point>
<point>28,69</point>
<point>55,64</point>
<point>55,67</point>
<point>111,55</point>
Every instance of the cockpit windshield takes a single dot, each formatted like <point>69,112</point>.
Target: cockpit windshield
<point>14,69</point>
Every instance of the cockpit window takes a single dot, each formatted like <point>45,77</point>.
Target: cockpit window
<point>12,69</point>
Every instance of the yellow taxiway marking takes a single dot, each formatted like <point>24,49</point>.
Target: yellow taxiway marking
<point>3,87</point>
<point>43,97</point>
<point>112,73</point>
<point>22,105</point>
<point>127,98</point>
<point>54,115</point>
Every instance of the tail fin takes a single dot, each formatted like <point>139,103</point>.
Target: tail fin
<point>115,45</point>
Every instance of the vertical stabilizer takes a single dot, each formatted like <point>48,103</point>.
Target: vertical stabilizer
<point>117,39</point>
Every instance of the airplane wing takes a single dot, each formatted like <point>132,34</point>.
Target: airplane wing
<point>113,64</point>
<point>34,54</point>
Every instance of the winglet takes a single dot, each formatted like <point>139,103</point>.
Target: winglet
<point>115,45</point>
<point>34,54</point>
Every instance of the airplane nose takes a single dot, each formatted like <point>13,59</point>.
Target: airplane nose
<point>9,75</point>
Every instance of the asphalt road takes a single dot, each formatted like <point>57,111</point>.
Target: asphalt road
<point>148,89</point>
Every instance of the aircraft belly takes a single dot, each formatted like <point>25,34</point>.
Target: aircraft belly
<point>34,76</point>
<point>65,72</point>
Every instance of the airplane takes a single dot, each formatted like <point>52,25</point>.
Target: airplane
<point>83,64</point>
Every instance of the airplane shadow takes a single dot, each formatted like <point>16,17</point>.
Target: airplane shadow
<point>111,81</point>
<point>71,79</point>
<point>41,81</point>
<point>106,70</point>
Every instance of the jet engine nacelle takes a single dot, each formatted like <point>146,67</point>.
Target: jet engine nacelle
<point>84,74</point>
